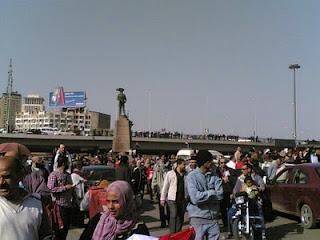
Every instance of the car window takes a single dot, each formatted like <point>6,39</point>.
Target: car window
<point>283,177</point>
<point>99,174</point>
<point>300,177</point>
<point>318,171</point>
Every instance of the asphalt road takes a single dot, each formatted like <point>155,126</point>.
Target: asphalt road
<point>283,227</point>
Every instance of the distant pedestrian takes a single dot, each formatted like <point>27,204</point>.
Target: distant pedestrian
<point>229,178</point>
<point>62,189</point>
<point>160,170</point>
<point>149,175</point>
<point>123,171</point>
<point>38,167</point>
<point>173,193</point>
<point>275,165</point>
<point>62,152</point>
<point>192,164</point>
<point>237,154</point>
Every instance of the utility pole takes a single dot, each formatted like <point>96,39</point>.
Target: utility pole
<point>9,93</point>
<point>294,67</point>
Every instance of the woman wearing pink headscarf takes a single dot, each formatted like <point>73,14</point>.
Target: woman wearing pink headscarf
<point>121,218</point>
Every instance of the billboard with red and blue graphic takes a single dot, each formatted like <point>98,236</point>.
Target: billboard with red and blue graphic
<point>61,99</point>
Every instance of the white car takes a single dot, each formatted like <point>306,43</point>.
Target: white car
<point>186,154</point>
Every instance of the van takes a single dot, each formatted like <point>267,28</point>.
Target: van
<point>186,154</point>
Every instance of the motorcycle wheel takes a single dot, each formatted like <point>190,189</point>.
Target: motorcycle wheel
<point>236,229</point>
<point>255,234</point>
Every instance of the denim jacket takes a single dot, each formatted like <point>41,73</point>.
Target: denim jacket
<point>205,191</point>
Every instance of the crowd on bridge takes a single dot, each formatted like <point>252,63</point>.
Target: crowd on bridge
<point>207,136</point>
<point>38,203</point>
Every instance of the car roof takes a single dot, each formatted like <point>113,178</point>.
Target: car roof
<point>92,167</point>
<point>302,165</point>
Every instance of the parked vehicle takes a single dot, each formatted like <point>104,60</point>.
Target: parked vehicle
<point>96,173</point>
<point>296,191</point>
<point>186,154</point>
<point>49,131</point>
<point>246,224</point>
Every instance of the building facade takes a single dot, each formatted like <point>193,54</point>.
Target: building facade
<point>59,121</point>
<point>10,104</point>
<point>33,104</point>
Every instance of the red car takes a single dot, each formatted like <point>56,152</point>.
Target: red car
<point>296,191</point>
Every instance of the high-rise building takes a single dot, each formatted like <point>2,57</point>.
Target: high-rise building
<point>10,104</point>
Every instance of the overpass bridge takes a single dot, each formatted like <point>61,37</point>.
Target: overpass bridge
<point>46,143</point>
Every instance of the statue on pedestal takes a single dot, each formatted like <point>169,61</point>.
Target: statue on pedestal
<point>122,100</point>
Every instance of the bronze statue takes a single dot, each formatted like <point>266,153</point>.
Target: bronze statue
<point>122,100</point>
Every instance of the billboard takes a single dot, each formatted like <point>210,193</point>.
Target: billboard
<point>60,98</point>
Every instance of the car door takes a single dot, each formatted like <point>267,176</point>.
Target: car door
<point>278,189</point>
<point>296,190</point>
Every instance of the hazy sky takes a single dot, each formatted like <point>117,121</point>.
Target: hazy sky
<point>185,65</point>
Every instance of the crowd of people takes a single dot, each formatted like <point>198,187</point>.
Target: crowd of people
<point>39,204</point>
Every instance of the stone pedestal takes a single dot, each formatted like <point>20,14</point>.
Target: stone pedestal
<point>121,136</point>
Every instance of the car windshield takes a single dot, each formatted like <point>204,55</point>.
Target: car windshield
<point>100,173</point>
<point>318,171</point>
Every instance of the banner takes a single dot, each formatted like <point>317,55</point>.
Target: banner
<point>61,99</point>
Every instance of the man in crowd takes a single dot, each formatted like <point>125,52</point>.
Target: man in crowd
<point>149,176</point>
<point>275,165</point>
<point>62,152</point>
<point>32,182</point>
<point>246,172</point>
<point>78,179</point>
<point>37,166</point>
<point>160,169</point>
<point>173,191</point>
<point>237,154</point>
<point>123,171</point>
<point>22,214</point>
<point>192,164</point>
<point>62,189</point>
<point>229,177</point>
<point>205,191</point>
<point>137,179</point>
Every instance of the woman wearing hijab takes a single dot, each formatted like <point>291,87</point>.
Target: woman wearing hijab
<point>120,220</point>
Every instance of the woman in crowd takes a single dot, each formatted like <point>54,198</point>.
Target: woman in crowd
<point>120,220</point>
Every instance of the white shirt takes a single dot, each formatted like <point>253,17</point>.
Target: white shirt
<point>231,164</point>
<point>314,158</point>
<point>21,222</point>
<point>78,181</point>
<point>55,164</point>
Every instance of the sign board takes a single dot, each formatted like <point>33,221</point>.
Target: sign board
<point>59,98</point>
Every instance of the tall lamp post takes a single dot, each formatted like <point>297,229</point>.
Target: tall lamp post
<point>294,67</point>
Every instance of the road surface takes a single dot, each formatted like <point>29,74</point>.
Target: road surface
<point>283,227</point>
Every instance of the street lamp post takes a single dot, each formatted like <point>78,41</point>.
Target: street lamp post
<point>294,67</point>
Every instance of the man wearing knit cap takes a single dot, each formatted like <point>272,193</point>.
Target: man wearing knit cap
<point>205,192</point>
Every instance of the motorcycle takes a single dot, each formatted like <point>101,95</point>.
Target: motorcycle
<point>246,224</point>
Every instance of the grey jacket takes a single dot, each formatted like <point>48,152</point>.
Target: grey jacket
<point>205,192</point>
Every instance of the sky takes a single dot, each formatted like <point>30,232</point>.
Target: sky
<point>185,65</point>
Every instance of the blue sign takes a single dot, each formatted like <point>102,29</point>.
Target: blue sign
<point>61,99</point>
